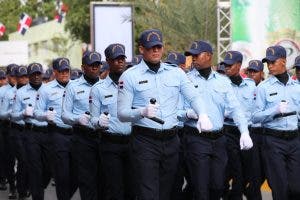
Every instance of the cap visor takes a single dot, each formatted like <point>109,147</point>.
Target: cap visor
<point>119,54</point>
<point>253,68</point>
<point>152,44</point>
<point>191,52</point>
<point>172,62</point>
<point>64,68</point>
<point>34,71</point>
<point>269,58</point>
<point>227,62</point>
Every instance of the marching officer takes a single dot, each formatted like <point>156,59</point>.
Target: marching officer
<point>49,108</point>
<point>23,110</point>
<point>297,68</point>
<point>86,140</point>
<point>147,92</point>
<point>115,139</point>
<point>3,82</point>
<point>206,151</point>
<point>9,159</point>
<point>18,139</point>
<point>255,71</point>
<point>244,89</point>
<point>277,106</point>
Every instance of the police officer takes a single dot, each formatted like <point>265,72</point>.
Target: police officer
<point>3,82</point>
<point>86,139</point>
<point>244,89</point>
<point>48,75</point>
<point>221,69</point>
<point>104,70</point>
<point>49,107</point>
<point>255,71</point>
<point>115,140</point>
<point>206,151</point>
<point>178,60</point>
<point>297,71</point>
<point>155,144</point>
<point>23,110</point>
<point>75,74</point>
<point>9,159</point>
<point>277,105</point>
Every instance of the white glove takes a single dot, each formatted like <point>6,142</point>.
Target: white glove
<point>104,120</point>
<point>204,123</point>
<point>246,141</point>
<point>28,111</point>
<point>84,119</point>
<point>50,115</point>
<point>282,107</point>
<point>150,110</point>
<point>191,114</point>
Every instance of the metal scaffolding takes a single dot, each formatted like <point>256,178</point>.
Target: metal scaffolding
<point>224,29</point>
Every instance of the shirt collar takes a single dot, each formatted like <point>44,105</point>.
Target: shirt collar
<point>144,67</point>
<point>273,80</point>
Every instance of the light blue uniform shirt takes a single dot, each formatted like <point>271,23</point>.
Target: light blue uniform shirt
<point>50,95</point>
<point>25,96</point>
<point>76,101</point>
<point>3,90</point>
<point>269,94</point>
<point>218,95</point>
<point>103,98</point>
<point>139,84</point>
<point>7,105</point>
<point>245,93</point>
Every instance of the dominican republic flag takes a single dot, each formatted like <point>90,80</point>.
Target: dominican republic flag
<point>2,29</point>
<point>61,10</point>
<point>24,23</point>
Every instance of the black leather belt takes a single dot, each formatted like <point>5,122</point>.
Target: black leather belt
<point>61,130</point>
<point>17,126</point>
<point>286,135</point>
<point>85,131</point>
<point>35,128</point>
<point>115,138</point>
<point>234,130</point>
<point>210,135</point>
<point>6,123</point>
<point>159,134</point>
<point>228,120</point>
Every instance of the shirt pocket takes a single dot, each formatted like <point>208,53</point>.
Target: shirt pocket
<point>219,95</point>
<point>109,105</point>
<point>55,100</point>
<point>171,88</point>
<point>144,92</point>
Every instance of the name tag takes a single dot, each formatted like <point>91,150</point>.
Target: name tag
<point>82,91</point>
<point>142,82</point>
<point>107,96</point>
<point>26,98</point>
<point>272,94</point>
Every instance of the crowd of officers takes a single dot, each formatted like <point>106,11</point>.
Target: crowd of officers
<point>151,130</point>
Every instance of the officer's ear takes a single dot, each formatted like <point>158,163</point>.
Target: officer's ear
<point>283,61</point>
<point>141,49</point>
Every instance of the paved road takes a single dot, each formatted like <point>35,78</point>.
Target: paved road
<point>50,195</point>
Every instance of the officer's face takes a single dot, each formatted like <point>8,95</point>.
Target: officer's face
<point>92,71</point>
<point>117,65</point>
<point>298,73</point>
<point>3,81</point>
<point>202,60</point>
<point>35,78</point>
<point>153,54</point>
<point>277,66</point>
<point>12,79</point>
<point>232,70</point>
<point>257,76</point>
<point>62,76</point>
<point>22,80</point>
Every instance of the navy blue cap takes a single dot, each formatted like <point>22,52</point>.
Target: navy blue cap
<point>274,52</point>
<point>90,57</point>
<point>21,71</point>
<point>221,68</point>
<point>150,38</point>
<point>61,64</point>
<point>175,58</point>
<point>75,74</point>
<point>114,50</point>
<point>104,67</point>
<point>297,62</point>
<point>2,73</point>
<point>48,73</point>
<point>34,67</point>
<point>11,69</point>
<point>198,47</point>
<point>255,65</point>
<point>232,57</point>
